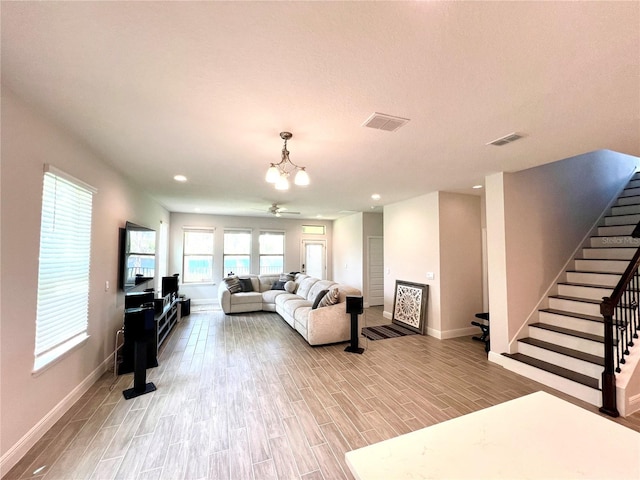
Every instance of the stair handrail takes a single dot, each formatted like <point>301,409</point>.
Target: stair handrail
<point>626,327</point>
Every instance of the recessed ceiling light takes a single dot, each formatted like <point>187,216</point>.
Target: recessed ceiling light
<point>180,178</point>
<point>376,196</point>
<point>318,216</point>
<point>477,186</point>
<point>197,210</point>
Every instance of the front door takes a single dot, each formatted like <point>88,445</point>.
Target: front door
<point>314,261</point>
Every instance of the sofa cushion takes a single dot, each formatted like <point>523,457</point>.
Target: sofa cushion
<point>292,305</point>
<point>270,295</point>
<point>305,285</point>
<point>319,297</point>
<point>317,287</point>
<point>290,286</point>
<point>331,298</point>
<point>247,297</point>
<point>247,286</point>
<point>233,284</point>
<point>266,281</point>
<point>285,297</point>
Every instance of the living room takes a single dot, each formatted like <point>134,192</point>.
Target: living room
<point>429,228</point>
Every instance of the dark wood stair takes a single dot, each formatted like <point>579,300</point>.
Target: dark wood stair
<point>554,369</point>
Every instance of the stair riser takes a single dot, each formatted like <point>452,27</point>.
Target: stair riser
<point>616,230</point>
<point>604,266</point>
<point>586,346</point>
<point>622,220</point>
<point>633,183</point>
<point>570,363</point>
<point>587,394</point>
<point>593,278</point>
<point>573,306</point>
<point>625,209</point>
<point>572,323</point>
<point>619,253</point>
<point>584,292</point>
<point>615,242</point>
<point>627,201</point>
<point>630,192</point>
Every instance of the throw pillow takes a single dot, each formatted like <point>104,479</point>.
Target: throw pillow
<point>233,284</point>
<point>247,286</point>
<point>278,286</point>
<point>331,298</point>
<point>285,277</point>
<point>319,297</point>
<point>290,286</point>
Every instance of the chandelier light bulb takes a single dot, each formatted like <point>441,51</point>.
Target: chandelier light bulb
<point>282,183</point>
<point>302,178</point>
<point>272,174</point>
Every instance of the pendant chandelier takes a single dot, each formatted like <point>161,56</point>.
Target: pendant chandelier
<point>279,173</point>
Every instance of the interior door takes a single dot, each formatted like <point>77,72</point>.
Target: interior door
<point>314,258</point>
<point>376,271</point>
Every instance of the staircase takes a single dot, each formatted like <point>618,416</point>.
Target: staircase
<point>564,349</point>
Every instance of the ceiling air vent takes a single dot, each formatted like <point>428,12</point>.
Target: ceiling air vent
<point>512,137</point>
<point>384,122</point>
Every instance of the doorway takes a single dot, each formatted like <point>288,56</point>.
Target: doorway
<point>314,258</point>
<point>375,262</point>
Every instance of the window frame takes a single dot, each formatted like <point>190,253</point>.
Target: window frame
<point>248,256</point>
<point>280,233</point>
<point>203,253</point>
<point>62,304</point>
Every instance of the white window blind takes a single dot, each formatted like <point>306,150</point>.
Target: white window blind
<point>63,272</point>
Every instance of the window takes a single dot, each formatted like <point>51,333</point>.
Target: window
<point>237,252</point>
<point>313,229</point>
<point>63,269</point>
<point>197,262</point>
<point>271,252</point>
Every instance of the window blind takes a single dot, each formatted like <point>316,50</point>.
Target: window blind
<point>64,261</point>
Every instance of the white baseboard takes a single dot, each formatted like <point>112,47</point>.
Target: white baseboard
<point>387,315</point>
<point>20,449</point>
<point>460,332</point>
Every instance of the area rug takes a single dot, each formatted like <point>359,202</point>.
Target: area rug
<point>381,332</point>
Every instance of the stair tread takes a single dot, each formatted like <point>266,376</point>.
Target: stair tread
<point>622,214</point>
<point>587,285</point>
<point>591,271</point>
<point>568,331</point>
<point>569,352</point>
<point>554,369</point>
<point>566,313</point>
<point>617,249</point>
<point>576,299</point>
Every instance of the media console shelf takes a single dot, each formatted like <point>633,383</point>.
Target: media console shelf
<point>167,320</point>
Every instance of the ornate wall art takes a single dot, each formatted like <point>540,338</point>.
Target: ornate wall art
<point>410,305</point>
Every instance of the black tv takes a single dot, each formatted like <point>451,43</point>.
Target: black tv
<point>137,255</point>
<point>169,285</point>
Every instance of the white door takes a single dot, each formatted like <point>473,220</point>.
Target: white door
<point>314,261</point>
<point>376,271</point>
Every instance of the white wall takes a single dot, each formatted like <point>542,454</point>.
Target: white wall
<point>348,251</point>
<point>29,404</point>
<point>411,249</point>
<point>536,219</point>
<point>460,263</point>
<point>200,293</point>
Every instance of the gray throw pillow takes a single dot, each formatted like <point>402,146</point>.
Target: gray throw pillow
<point>319,297</point>
<point>278,286</point>
<point>233,284</point>
<point>247,286</point>
<point>331,298</point>
<point>285,277</point>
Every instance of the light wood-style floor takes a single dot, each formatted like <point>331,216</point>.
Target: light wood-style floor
<point>244,396</point>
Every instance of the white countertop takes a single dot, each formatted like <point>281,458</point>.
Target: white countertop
<point>538,436</point>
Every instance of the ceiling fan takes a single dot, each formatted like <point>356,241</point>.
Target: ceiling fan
<point>276,210</point>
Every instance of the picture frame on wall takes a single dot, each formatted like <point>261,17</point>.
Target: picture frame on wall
<point>410,305</point>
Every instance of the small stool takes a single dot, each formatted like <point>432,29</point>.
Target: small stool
<point>484,327</point>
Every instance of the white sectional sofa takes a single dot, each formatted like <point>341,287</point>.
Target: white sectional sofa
<point>319,326</point>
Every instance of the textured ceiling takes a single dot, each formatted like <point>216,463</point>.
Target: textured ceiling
<point>205,88</point>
